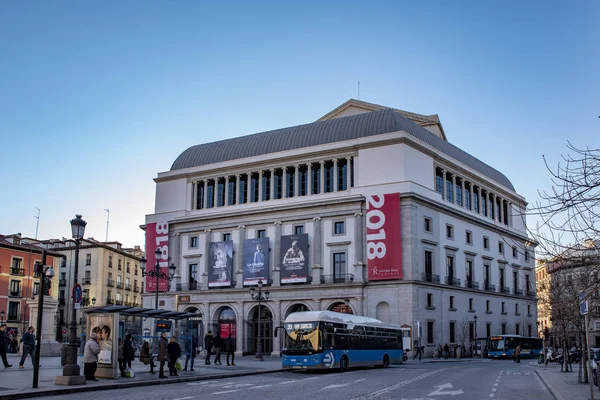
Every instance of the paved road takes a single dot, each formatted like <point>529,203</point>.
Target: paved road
<point>498,380</point>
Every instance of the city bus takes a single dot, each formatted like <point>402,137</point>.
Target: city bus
<point>331,340</point>
<point>503,346</point>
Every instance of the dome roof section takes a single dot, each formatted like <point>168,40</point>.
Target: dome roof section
<point>325,132</point>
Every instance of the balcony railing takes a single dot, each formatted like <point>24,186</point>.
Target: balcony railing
<point>61,302</point>
<point>16,271</point>
<point>37,275</point>
<point>119,285</point>
<point>15,293</point>
<point>472,284</point>
<point>110,301</point>
<point>430,277</point>
<point>127,286</point>
<point>184,287</point>
<point>62,282</point>
<point>530,293</point>
<point>87,281</point>
<point>518,292</point>
<point>504,289</point>
<point>110,283</point>
<point>339,278</point>
<point>489,287</point>
<point>136,289</point>
<point>119,302</point>
<point>452,281</point>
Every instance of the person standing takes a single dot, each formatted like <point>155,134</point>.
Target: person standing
<point>162,354</point>
<point>192,354</point>
<point>518,354</point>
<point>439,351</point>
<point>446,351</point>
<point>28,346</point>
<point>90,358</point>
<point>174,351</point>
<point>120,358</point>
<point>218,345</point>
<point>128,351</point>
<point>3,344</point>
<point>145,356</point>
<point>230,349</point>
<point>208,345</point>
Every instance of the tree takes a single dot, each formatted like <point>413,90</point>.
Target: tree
<point>462,332</point>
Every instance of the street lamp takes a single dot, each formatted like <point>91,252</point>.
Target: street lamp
<point>71,371</point>
<point>157,273</point>
<point>475,319</point>
<point>258,295</point>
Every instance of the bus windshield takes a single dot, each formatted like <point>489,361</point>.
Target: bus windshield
<point>496,344</point>
<point>301,337</point>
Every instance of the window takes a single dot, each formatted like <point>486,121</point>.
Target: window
<point>118,298</point>
<point>529,330</point>
<point>36,288</point>
<point>88,259</point>
<point>339,228</point>
<point>503,311</point>
<point>429,300</point>
<point>231,192</point>
<point>526,255</point>
<point>119,265</point>
<point>266,186</point>
<point>452,332</point>
<point>486,243</point>
<point>449,231</point>
<point>500,247</point>
<point>469,237</point>
<point>471,330</point>
<point>528,309</point>
<point>429,332</point>
<point>108,295</point>
<point>502,285</point>
<point>468,195</point>
<point>471,304</point>
<point>261,233</point>
<point>504,328</point>
<point>516,281</point>
<point>242,195</point>
<point>517,329</point>
<point>450,267</point>
<point>13,311</point>
<point>193,275</point>
<point>470,273</point>
<point>226,237</point>
<point>487,306</point>
<point>449,189</point>
<point>342,174</point>
<point>328,176</point>
<point>298,229</point>
<point>302,181</point>
<point>427,224</point>
<point>339,267</point>
<point>516,309</point>
<point>61,295</point>
<point>110,261</point>
<point>428,265</point>
<point>486,277</point>
<point>439,181</point>
<point>193,242</point>
<point>452,303</point>
<point>290,179</point>
<point>514,249</point>
<point>316,178</point>
<point>15,288</point>
<point>252,188</point>
<point>476,201</point>
<point>488,329</point>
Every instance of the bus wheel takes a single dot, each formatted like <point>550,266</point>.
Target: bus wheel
<point>344,364</point>
<point>386,361</point>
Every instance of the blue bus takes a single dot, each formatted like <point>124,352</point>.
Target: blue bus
<point>331,340</point>
<point>503,346</point>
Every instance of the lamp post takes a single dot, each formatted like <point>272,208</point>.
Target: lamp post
<point>258,295</point>
<point>157,273</point>
<point>71,372</point>
<point>475,319</point>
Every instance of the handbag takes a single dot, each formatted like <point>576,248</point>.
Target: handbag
<point>178,364</point>
<point>129,373</point>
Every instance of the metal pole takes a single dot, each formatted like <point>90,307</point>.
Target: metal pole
<point>585,317</point>
<point>259,344</point>
<point>72,368</point>
<point>38,325</point>
<point>156,274</point>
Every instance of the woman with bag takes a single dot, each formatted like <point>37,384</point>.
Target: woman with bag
<point>162,354</point>
<point>145,356</point>
<point>174,351</point>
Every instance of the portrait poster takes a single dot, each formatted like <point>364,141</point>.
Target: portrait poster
<point>294,258</point>
<point>103,326</point>
<point>220,264</point>
<point>256,261</point>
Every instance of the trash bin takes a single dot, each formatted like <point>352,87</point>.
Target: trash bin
<point>63,355</point>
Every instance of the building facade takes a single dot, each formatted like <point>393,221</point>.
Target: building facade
<point>368,210</point>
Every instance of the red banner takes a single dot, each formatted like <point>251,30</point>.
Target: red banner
<point>157,237</point>
<point>384,240</point>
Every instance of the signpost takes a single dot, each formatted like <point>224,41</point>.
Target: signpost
<point>583,310</point>
<point>77,295</point>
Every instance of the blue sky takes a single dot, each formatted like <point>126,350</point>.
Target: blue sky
<point>96,98</point>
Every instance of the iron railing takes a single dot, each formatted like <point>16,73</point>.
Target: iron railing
<point>430,277</point>
<point>452,281</point>
<point>337,278</point>
<point>184,287</point>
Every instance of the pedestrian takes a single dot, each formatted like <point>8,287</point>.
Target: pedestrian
<point>518,354</point>
<point>218,345</point>
<point>145,356</point>
<point>120,358</point>
<point>90,358</point>
<point>28,346</point>
<point>128,351</point>
<point>417,353</point>
<point>3,344</point>
<point>162,354</point>
<point>230,349</point>
<point>446,351</point>
<point>439,351</point>
<point>208,344</point>
<point>174,351</point>
<point>192,354</point>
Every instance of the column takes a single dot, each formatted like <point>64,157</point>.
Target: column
<point>501,213</point>
<point>216,193</point>
<point>277,254</point>
<point>317,256</point>
<point>473,197</point>
<point>462,194</point>
<point>335,175</point>
<point>260,185</point>
<point>322,173</point>
<point>488,204</point>
<point>509,213</point>
<point>480,201</point>
<point>444,184</point>
<point>194,195</point>
<point>296,180</point>
<point>237,189</point>
<point>454,188</point>
<point>309,184</point>
<point>349,172</point>
<point>359,241</point>
<point>225,203</point>
<point>284,183</point>
<point>241,329</point>
<point>238,262</point>
<point>204,260</point>
<point>272,185</point>
<point>248,194</point>
<point>205,193</point>
<point>277,321</point>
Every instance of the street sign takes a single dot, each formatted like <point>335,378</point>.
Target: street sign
<point>583,304</point>
<point>77,293</point>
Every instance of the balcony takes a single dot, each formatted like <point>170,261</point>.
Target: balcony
<point>452,281</point>
<point>425,277</point>
<point>62,301</point>
<point>110,301</point>
<point>110,283</point>
<point>338,278</point>
<point>119,285</point>
<point>504,289</point>
<point>17,271</point>
<point>489,287</point>
<point>136,289</point>
<point>119,302</point>
<point>184,287</point>
<point>87,281</point>
<point>62,282</point>
<point>37,275</point>
<point>531,293</point>
<point>127,286</point>
<point>472,284</point>
<point>15,293</point>
<point>518,292</point>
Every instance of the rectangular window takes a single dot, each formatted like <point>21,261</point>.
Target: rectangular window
<point>529,330</point>
<point>231,192</point>
<point>452,302</point>
<point>200,195</point>
<point>328,176</point>
<point>515,281</point>
<point>449,231</point>
<point>471,304</point>
<point>468,196</point>
<point>261,233</point>
<point>193,276</point>
<point>339,267</point>
<point>439,182</point>
<point>339,228</point>
<point>528,309</point>
<point>210,193</point>
<point>475,202</point>
<point>226,237</point>
<point>193,242</point>
<point>514,251</point>
<point>452,332</point>
<point>526,255</point>
<point>128,268</point>
<point>492,209</point>
<point>253,188</point>
<point>486,243</point>
<point>470,274</point>
<point>486,277</point>
<point>430,335</point>
<point>471,330</point>
<point>243,194</point>
<point>290,179</point>
<point>429,300</point>
<point>517,329</point>
<point>110,261</point>
<point>303,181</point>
<point>15,288</point>
<point>220,192</point>
<point>13,311</point>
<point>428,265</point>
<point>488,329</point>
<point>500,247</point>
<point>484,202</point>
<point>36,288</point>
<point>316,178</point>
<point>342,174</point>
<point>449,189</point>
<point>458,188</point>
<point>487,306</point>
<point>278,184</point>
<point>427,224</point>
<point>516,309</point>
<point>503,304</point>
<point>504,328</point>
<point>119,264</point>
<point>450,269</point>
<point>469,237</point>
<point>527,288</point>
<point>502,285</point>
<point>266,186</point>
<point>88,259</point>
<point>298,229</point>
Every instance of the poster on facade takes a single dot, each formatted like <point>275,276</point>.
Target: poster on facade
<point>157,237</point>
<point>102,325</point>
<point>256,261</point>
<point>384,240</point>
<point>294,258</point>
<point>220,264</point>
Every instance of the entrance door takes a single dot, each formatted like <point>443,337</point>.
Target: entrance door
<point>266,331</point>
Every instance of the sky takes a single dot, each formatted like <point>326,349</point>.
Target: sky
<point>97,98</point>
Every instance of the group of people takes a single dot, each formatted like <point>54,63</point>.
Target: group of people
<point>219,344</point>
<point>28,341</point>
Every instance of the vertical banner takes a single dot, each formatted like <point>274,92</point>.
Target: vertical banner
<point>294,264</point>
<point>157,237</point>
<point>220,264</point>
<point>384,240</point>
<point>256,261</point>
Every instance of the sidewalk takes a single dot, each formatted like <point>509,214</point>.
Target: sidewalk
<point>17,383</point>
<point>564,385</point>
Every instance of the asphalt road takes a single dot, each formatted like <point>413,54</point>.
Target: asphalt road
<point>498,380</point>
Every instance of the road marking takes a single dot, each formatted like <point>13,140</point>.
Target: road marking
<point>308,379</point>
<point>360,380</point>
<point>287,382</point>
<point>440,388</point>
<point>335,386</point>
<point>496,384</point>
<point>227,391</point>
<point>183,398</point>
<point>259,387</point>
<point>202,383</point>
<point>494,389</point>
<point>491,394</point>
<point>397,386</point>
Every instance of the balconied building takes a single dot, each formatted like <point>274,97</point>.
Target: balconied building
<point>369,206</point>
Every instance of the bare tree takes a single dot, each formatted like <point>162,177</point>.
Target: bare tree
<point>462,332</point>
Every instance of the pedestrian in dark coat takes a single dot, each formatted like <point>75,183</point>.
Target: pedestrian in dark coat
<point>192,354</point>
<point>128,350</point>
<point>218,345</point>
<point>230,349</point>
<point>162,354</point>
<point>174,351</point>
<point>208,345</point>
<point>3,344</point>
<point>446,351</point>
<point>28,346</point>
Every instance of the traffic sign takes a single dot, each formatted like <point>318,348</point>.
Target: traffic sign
<point>77,293</point>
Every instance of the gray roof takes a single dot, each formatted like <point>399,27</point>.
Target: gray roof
<point>324,132</point>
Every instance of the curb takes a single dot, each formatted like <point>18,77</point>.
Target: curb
<point>555,393</point>
<point>132,384</point>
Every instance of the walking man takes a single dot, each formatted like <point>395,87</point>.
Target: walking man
<point>162,354</point>
<point>230,349</point>
<point>90,358</point>
<point>3,344</point>
<point>208,345</point>
<point>417,353</point>
<point>28,346</point>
